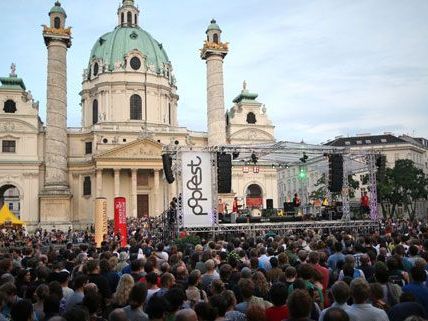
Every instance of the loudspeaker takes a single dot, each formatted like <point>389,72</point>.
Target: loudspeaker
<point>224,172</point>
<point>167,164</point>
<point>269,204</point>
<point>241,219</point>
<point>335,166</point>
<point>288,207</point>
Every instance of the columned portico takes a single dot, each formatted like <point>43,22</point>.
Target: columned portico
<point>116,182</point>
<point>132,171</point>
<point>134,192</point>
<point>156,192</point>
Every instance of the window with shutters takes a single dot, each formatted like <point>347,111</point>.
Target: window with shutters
<point>57,23</point>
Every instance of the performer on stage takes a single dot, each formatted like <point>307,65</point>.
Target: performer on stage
<point>364,204</point>
<point>296,200</point>
<point>235,205</point>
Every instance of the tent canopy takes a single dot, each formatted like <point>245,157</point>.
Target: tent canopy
<point>6,216</point>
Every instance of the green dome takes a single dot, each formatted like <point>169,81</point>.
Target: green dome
<point>57,9</point>
<point>213,26</point>
<point>114,46</point>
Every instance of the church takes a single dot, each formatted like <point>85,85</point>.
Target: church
<point>50,175</point>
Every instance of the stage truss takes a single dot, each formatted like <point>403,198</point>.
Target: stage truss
<point>286,154</point>
<point>282,228</point>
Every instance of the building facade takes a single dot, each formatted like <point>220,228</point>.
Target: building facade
<point>393,147</point>
<point>129,108</point>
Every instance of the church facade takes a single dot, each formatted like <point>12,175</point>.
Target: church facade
<point>129,108</point>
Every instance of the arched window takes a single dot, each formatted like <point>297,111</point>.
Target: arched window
<point>215,38</point>
<point>122,18</point>
<point>251,118</point>
<point>169,114</point>
<point>254,190</point>
<point>95,112</point>
<point>129,18</point>
<point>87,186</point>
<point>57,23</point>
<point>136,108</point>
<point>136,19</point>
<point>9,106</point>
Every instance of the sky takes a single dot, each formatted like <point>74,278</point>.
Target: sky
<point>323,68</point>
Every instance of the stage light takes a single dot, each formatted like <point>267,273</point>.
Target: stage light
<point>304,158</point>
<point>302,173</point>
<point>254,158</point>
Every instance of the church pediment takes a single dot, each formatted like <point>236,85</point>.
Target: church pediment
<point>252,134</point>
<point>10,125</point>
<point>143,149</point>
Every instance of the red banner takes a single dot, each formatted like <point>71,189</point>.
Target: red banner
<point>120,220</point>
<point>254,202</point>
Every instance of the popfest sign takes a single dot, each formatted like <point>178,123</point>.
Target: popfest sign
<point>197,189</point>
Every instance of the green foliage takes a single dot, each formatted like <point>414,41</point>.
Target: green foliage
<point>353,185</point>
<point>191,239</point>
<point>403,185</point>
<point>321,190</point>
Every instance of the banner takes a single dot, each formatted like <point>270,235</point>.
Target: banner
<point>120,225</point>
<point>101,227</point>
<point>197,189</point>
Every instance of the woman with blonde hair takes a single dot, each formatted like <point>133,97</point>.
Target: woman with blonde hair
<point>120,297</point>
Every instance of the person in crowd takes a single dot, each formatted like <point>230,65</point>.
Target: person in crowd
<point>361,310</point>
<point>121,295</point>
<point>193,293</point>
<point>391,292</point>
<point>93,271</point>
<point>210,275</point>
<point>42,292</point>
<point>134,311</point>
<point>22,311</point>
<point>340,292</point>
<point>336,314</point>
<point>186,315</point>
<point>406,308</point>
<point>299,305</point>
<point>278,295</point>
<point>417,286</point>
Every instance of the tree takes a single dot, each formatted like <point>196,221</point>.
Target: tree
<point>403,185</point>
<point>321,190</point>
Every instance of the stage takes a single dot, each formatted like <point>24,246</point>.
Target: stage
<point>281,228</point>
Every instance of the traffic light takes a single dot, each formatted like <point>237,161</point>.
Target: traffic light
<point>335,173</point>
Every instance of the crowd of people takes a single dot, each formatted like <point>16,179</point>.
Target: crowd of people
<point>304,275</point>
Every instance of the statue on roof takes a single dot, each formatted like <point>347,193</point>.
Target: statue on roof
<point>244,85</point>
<point>13,70</point>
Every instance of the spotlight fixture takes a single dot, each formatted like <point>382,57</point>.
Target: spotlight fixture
<point>254,158</point>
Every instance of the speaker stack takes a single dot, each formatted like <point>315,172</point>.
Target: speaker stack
<point>224,173</point>
<point>167,168</point>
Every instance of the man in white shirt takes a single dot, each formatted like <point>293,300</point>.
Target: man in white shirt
<point>361,310</point>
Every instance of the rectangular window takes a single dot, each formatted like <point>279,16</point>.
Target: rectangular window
<point>88,148</point>
<point>8,146</point>
<point>87,186</point>
<point>11,206</point>
<point>359,142</point>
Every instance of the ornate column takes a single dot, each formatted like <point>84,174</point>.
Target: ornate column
<point>99,180</point>
<point>133,192</point>
<point>156,194</point>
<point>116,182</point>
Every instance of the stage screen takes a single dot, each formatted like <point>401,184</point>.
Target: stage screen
<point>197,189</point>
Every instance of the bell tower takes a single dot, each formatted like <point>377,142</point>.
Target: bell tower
<point>55,196</point>
<point>214,52</point>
